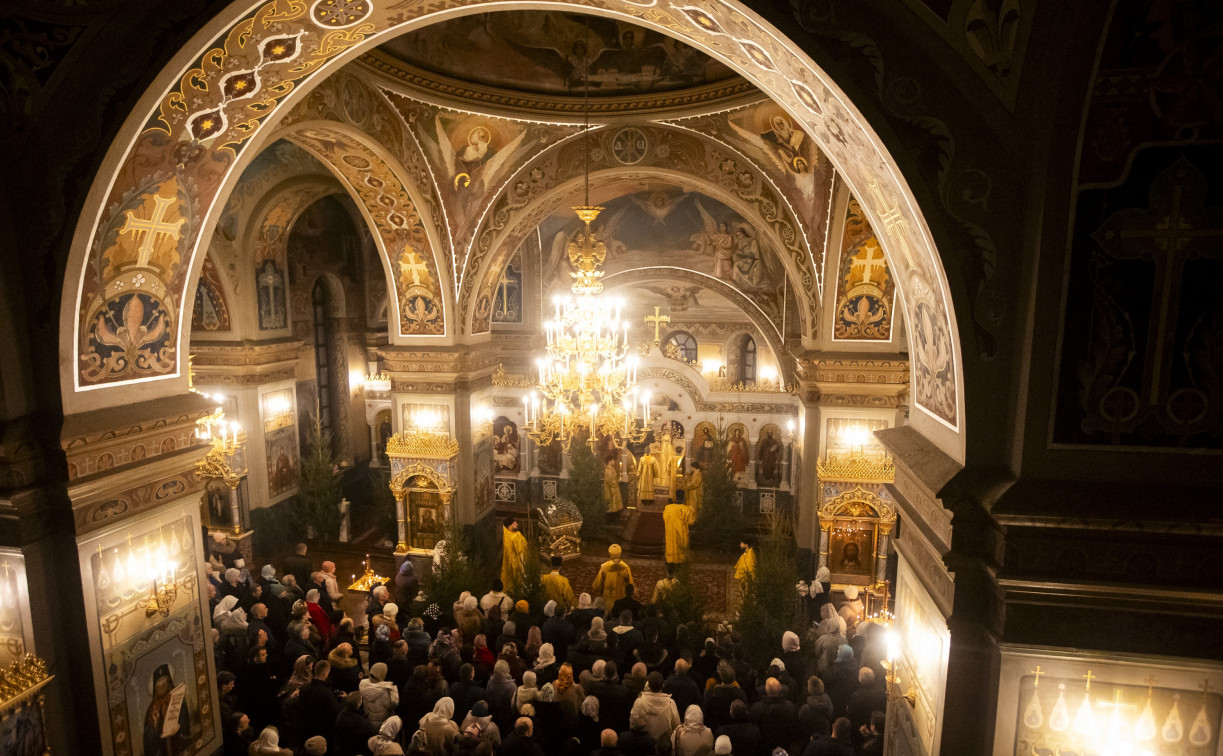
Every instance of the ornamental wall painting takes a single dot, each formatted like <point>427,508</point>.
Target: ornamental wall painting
<point>482,458</point>
<point>765,133</point>
<point>1142,350</point>
<point>770,454</point>
<point>271,297</point>
<point>554,53</point>
<point>866,290</point>
<point>383,195</point>
<point>158,689</point>
<point>665,225</point>
<point>282,460</point>
<point>211,312</point>
<point>471,156</point>
<point>507,300</point>
<point>506,460</point>
<point>128,322</point>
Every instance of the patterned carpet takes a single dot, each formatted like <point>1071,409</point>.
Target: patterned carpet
<point>714,580</point>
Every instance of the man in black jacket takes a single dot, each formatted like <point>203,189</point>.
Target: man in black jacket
<point>615,700</point>
<point>719,698</point>
<point>744,734</point>
<point>317,705</point>
<point>521,741</point>
<point>836,745</point>
<point>558,630</point>
<point>777,718</point>
<point>299,566</point>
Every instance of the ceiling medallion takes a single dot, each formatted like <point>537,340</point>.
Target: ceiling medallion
<point>630,146</point>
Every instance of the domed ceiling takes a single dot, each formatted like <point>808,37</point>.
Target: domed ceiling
<point>545,56</point>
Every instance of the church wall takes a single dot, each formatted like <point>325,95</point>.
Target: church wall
<point>129,646</point>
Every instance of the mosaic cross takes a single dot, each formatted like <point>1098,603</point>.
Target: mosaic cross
<point>152,228</point>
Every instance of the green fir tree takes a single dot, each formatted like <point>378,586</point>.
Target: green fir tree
<point>453,572</point>
<point>585,487</point>
<point>720,522</point>
<point>770,603</point>
<point>320,487</point>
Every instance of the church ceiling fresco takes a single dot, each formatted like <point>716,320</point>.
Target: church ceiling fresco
<point>866,292</point>
<point>664,226</point>
<point>471,157</point>
<point>786,154</point>
<point>400,229</point>
<point>550,52</point>
<point>175,166</point>
<point>640,154</point>
<point>1139,360</point>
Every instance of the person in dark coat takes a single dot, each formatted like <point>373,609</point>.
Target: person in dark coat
<point>841,679</point>
<point>352,729</point>
<point>627,603</point>
<point>257,688</point>
<point>777,718</point>
<point>835,745</point>
<point>418,642</point>
<point>608,743</point>
<point>815,715</point>
<point>299,566</point>
<point>398,668</point>
<point>719,698</point>
<point>744,734</point>
<point>615,700</point>
<point>521,741</point>
<point>872,736</point>
<point>558,630</point>
<point>682,688</point>
<point>465,692</point>
<point>406,584</point>
<point>317,706</point>
<point>870,696</point>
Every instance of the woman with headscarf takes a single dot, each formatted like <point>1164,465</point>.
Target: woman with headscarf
<point>841,678</point>
<point>555,721</point>
<point>268,744</point>
<point>229,618</point>
<point>526,693</point>
<point>535,639</point>
<point>388,735</point>
<point>581,616</point>
<point>345,670</point>
<point>406,584</point>
<point>830,636</point>
<point>509,653</point>
<point>303,672</point>
<point>439,727</point>
<point>446,652</point>
<point>569,695</point>
<point>509,634</point>
<point>499,693</point>
<point>318,615</point>
<point>692,738</point>
<point>469,620</point>
<point>820,592</point>
<point>546,666</point>
<point>795,663</point>
<point>589,728</point>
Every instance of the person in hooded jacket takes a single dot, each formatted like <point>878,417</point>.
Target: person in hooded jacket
<point>268,744</point>
<point>439,727</point>
<point>661,715</point>
<point>692,737</point>
<point>378,696</point>
<point>637,740</point>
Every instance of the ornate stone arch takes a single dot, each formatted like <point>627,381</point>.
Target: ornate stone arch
<point>174,158</point>
<point>858,503</point>
<point>409,248</point>
<point>695,161</point>
<point>413,469</point>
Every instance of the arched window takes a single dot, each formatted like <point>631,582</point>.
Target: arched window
<point>322,353</point>
<point>747,359</point>
<point>685,346</point>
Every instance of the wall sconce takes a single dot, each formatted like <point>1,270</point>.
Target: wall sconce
<point>377,382</point>
<point>277,411</point>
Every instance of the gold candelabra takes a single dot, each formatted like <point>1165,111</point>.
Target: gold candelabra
<point>368,578</point>
<point>21,678</point>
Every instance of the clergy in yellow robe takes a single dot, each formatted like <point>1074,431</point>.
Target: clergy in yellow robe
<point>675,519</point>
<point>647,475</point>
<point>513,556</point>
<point>556,586</point>
<point>611,487</point>
<point>613,576</point>
<point>694,489</point>
<point>746,566</point>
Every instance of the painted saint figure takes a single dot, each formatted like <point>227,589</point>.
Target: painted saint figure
<point>167,723</point>
<point>769,455</point>
<point>738,451</point>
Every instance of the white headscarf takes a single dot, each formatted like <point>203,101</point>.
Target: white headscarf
<point>547,656</point>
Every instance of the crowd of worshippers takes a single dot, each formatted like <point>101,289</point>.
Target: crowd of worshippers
<point>491,675</point>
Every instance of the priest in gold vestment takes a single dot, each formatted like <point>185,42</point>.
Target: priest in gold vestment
<point>694,489</point>
<point>613,576</point>
<point>676,518</point>
<point>513,556</point>
<point>647,474</point>
<point>611,487</point>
